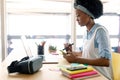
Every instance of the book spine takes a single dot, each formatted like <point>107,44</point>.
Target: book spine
<point>84,74</point>
<point>77,71</point>
<point>79,78</point>
<point>73,74</point>
<point>80,75</point>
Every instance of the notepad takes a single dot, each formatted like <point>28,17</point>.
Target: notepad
<point>89,68</point>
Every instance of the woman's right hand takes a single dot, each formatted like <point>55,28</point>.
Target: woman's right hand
<point>68,47</point>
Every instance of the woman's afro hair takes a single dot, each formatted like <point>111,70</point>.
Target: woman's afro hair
<point>94,6</point>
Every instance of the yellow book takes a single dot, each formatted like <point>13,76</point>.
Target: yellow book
<point>65,70</point>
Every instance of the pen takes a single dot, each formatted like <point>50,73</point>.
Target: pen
<point>68,46</point>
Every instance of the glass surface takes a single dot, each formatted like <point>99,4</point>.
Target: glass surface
<point>48,21</point>
<point>52,28</point>
<point>114,42</point>
<point>42,24</point>
<point>111,22</point>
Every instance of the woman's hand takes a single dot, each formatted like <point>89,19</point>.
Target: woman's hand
<point>70,57</point>
<point>68,47</point>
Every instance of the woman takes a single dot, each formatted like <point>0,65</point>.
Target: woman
<point>96,49</point>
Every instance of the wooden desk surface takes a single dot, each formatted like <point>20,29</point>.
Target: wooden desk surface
<point>47,72</point>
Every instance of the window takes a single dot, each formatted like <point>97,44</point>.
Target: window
<point>50,22</point>
<point>52,28</point>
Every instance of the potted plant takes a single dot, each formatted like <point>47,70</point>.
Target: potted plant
<point>52,49</point>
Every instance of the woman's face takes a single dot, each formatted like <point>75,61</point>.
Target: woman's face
<point>82,18</point>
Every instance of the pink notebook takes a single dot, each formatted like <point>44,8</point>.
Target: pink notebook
<point>84,74</point>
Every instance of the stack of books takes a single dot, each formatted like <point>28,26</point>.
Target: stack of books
<point>79,72</point>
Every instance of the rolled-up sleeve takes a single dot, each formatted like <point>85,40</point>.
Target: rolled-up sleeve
<point>103,43</point>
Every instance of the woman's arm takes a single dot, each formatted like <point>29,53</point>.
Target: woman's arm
<point>72,58</point>
<point>77,54</point>
<point>94,62</point>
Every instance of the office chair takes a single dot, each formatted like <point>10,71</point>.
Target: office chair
<point>116,65</point>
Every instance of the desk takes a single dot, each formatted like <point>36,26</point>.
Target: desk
<point>47,72</point>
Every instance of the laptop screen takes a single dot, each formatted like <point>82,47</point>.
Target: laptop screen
<point>26,47</point>
<point>47,59</point>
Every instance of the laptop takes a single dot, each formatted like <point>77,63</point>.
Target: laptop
<point>47,59</point>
